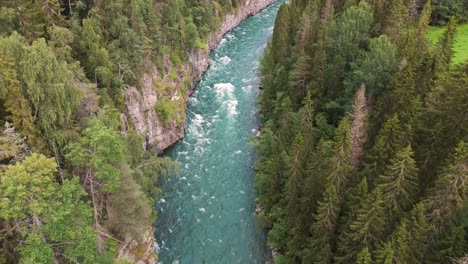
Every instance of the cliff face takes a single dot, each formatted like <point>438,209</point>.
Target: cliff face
<point>157,110</point>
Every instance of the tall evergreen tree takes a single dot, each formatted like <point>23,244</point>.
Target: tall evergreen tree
<point>280,39</point>
<point>399,184</point>
<point>323,230</point>
<point>293,194</point>
<point>387,143</point>
<point>341,159</point>
<point>366,229</point>
<point>364,257</point>
<point>450,190</point>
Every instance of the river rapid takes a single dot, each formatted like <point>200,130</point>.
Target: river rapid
<point>206,214</point>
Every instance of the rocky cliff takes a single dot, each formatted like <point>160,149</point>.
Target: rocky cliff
<point>157,109</point>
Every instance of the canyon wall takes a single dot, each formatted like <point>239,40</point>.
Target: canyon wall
<point>174,90</point>
<point>157,109</point>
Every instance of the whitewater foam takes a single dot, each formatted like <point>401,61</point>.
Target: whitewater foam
<point>224,90</point>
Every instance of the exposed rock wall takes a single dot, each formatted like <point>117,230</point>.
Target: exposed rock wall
<point>142,104</point>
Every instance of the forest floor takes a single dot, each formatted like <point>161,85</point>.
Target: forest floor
<point>461,41</point>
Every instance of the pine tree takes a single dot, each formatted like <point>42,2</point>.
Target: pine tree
<point>351,32</point>
<point>399,184</point>
<point>374,68</point>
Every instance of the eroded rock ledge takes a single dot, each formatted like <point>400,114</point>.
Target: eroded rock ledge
<point>156,88</point>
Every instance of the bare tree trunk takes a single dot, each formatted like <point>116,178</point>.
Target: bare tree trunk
<point>358,126</point>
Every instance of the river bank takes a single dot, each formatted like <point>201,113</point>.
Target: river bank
<point>206,215</point>
<point>142,103</point>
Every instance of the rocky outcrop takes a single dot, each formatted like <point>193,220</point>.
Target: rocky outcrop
<point>140,252</point>
<point>146,107</point>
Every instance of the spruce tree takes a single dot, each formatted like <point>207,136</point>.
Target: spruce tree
<point>280,38</point>
<point>387,143</point>
<point>366,229</point>
<point>451,245</point>
<point>450,191</point>
<point>364,257</point>
<point>293,195</point>
<point>385,255</point>
<point>323,230</point>
<point>341,159</point>
<point>399,184</point>
<point>445,51</point>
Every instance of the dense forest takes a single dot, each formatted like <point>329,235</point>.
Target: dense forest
<point>73,187</point>
<point>363,155</point>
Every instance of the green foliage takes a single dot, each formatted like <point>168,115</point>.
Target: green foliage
<point>402,200</point>
<point>461,40</point>
<point>27,187</point>
<point>279,42</point>
<point>444,10</point>
<point>61,64</point>
<point>375,67</point>
<point>323,230</point>
<point>365,230</point>
<point>351,32</point>
<point>98,150</point>
<point>449,192</point>
<point>131,213</point>
<point>399,184</point>
<point>364,257</point>
<point>341,159</point>
<point>49,217</point>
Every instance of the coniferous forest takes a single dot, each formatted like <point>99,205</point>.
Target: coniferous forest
<point>73,188</point>
<point>363,151</point>
<point>363,155</point>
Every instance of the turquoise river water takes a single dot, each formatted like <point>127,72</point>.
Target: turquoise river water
<point>206,214</point>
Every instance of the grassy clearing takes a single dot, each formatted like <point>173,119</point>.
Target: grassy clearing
<point>461,41</point>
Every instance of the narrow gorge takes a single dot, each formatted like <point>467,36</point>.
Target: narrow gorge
<point>206,214</point>
<point>175,89</point>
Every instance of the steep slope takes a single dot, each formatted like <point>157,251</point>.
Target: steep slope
<point>163,128</point>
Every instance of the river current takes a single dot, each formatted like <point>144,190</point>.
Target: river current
<point>206,214</point>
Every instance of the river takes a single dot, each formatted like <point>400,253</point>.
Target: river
<point>206,214</point>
